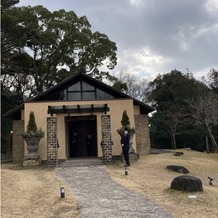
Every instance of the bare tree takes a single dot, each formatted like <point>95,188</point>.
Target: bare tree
<point>205,115</point>
<point>136,87</point>
<point>172,118</point>
<point>211,80</point>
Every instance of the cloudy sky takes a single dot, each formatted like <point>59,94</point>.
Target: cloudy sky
<point>152,36</point>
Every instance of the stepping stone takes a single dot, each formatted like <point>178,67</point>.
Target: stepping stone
<point>178,169</point>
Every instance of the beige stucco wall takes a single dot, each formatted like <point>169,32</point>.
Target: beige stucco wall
<point>116,110</point>
<point>136,110</point>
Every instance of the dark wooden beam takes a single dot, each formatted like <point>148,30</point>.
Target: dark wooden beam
<point>77,109</point>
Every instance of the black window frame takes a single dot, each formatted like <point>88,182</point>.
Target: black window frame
<point>82,90</point>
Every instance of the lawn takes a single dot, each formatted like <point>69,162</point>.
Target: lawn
<point>150,177</point>
<point>35,192</point>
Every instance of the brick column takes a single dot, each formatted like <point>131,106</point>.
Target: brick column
<point>52,147</point>
<point>106,142</point>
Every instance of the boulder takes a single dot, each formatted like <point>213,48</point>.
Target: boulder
<point>178,169</point>
<point>179,153</point>
<point>187,184</point>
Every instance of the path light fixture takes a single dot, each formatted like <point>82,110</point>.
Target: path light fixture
<point>62,192</point>
<point>126,171</point>
<point>210,180</point>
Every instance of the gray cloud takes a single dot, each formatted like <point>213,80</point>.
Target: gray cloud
<point>153,36</point>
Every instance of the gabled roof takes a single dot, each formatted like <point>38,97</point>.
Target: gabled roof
<point>50,94</point>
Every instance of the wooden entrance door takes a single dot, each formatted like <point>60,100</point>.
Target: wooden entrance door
<point>82,137</point>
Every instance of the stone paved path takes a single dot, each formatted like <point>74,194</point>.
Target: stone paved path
<point>98,196</point>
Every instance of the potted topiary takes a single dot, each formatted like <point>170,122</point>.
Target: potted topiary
<point>126,123</point>
<point>32,136</point>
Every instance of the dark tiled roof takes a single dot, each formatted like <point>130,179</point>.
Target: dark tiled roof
<point>48,94</point>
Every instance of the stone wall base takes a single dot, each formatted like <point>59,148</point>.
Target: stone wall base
<point>31,162</point>
<point>132,157</point>
<point>45,162</point>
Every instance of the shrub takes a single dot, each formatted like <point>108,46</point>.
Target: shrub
<point>32,130</point>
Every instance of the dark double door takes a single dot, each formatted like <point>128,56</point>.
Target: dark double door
<point>82,137</point>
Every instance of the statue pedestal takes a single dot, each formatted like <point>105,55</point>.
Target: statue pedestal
<point>32,147</point>
<point>31,162</point>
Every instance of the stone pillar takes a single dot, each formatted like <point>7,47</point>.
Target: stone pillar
<point>106,142</point>
<point>52,147</point>
<point>142,134</point>
<point>18,142</point>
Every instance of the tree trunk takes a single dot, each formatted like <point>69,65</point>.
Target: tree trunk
<point>207,144</point>
<point>173,140</point>
<point>211,135</point>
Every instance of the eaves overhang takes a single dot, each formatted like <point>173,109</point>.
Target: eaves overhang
<point>16,112</point>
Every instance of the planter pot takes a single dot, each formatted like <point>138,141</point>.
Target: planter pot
<point>32,147</point>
